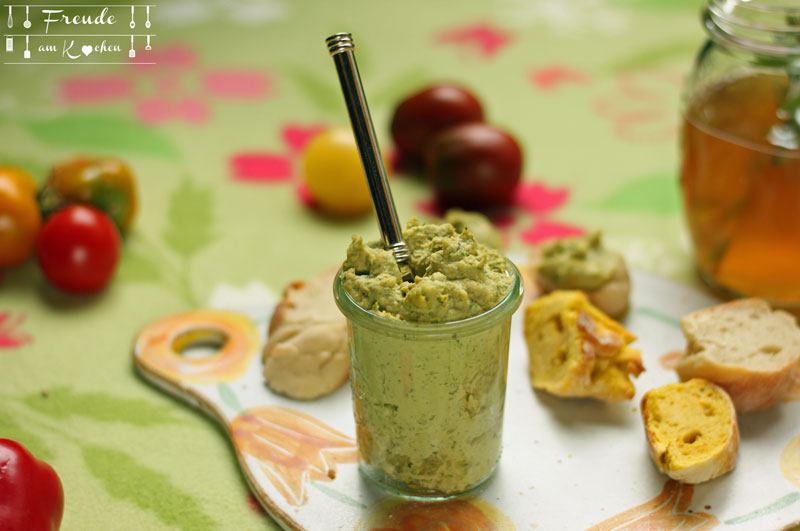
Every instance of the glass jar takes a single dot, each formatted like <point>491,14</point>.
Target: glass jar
<point>741,150</point>
<point>428,397</point>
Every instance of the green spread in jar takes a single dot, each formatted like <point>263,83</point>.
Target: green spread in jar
<point>578,263</point>
<point>429,405</point>
<point>456,277</point>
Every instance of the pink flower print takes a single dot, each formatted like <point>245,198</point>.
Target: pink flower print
<point>177,88</point>
<point>100,89</point>
<point>236,84</point>
<point>545,230</point>
<point>173,57</point>
<point>537,198</point>
<point>298,136</point>
<point>550,77</point>
<point>10,336</point>
<point>539,201</point>
<point>642,106</point>
<point>261,167</point>
<point>481,37</point>
<point>279,167</point>
<point>157,110</point>
<point>304,196</point>
<point>430,207</point>
<point>533,198</point>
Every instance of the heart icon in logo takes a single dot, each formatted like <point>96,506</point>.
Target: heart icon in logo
<point>86,50</point>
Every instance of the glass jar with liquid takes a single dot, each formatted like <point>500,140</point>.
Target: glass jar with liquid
<point>741,150</point>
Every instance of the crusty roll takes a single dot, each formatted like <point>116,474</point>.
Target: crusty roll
<point>745,347</point>
<point>306,354</point>
<point>691,430</point>
<point>584,263</point>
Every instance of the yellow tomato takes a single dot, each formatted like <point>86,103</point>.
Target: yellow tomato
<point>19,216</point>
<point>333,173</point>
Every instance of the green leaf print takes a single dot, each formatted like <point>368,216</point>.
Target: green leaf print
<point>11,429</point>
<point>673,5</point>
<point>62,402</point>
<point>682,51</point>
<point>400,86</point>
<point>324,95</point>
<point>229,397</point>
<point>37,169</point>
<point>137,267</point>
<point>189,219</point>
<point>150,490</point>
<point>652,194</point>
<point>103,132</point>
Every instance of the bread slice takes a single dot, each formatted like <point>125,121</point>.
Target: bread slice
<point>745,347</point>
<point>306,354</point>
<point>691,429</point>
<point>575,350</point>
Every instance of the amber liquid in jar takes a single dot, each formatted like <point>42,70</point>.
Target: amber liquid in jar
<point>741,193</point>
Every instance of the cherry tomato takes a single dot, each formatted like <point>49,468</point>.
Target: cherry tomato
<point>419,117</point>
<point>78,249</point>
<point>105,183</point>
<point>474,166</point>
<point>334,175</point>
<point>19,216</point>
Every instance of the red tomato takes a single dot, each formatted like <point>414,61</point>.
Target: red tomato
<point>78,249</point>
<point>420,116</point>
<point>474,166</point>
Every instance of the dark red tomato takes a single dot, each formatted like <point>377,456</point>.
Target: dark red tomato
<point>420,116</point>
<point>474,166</point>
<point>78,249</point>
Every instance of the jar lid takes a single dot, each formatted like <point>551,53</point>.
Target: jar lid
<point>766,27</point>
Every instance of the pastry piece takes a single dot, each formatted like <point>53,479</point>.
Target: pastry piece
<point>691,430</point>
<point>577,351</point>
<point>745,347</point>
<point>583,263</point>
<point>306,354</point>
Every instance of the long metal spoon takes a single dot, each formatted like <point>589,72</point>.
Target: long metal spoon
<point>341,49</point>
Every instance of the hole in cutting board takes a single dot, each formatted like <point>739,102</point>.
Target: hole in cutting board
<point>199,344</point>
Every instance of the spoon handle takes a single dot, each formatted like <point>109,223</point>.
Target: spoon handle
<point>341,49</point>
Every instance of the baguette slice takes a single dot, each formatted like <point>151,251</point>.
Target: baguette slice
<point>745,347</point>
<point>691,430</point>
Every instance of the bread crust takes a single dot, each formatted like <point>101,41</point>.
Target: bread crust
<point>306,354</point>
<point>722,461</point>
<point>750,389</point>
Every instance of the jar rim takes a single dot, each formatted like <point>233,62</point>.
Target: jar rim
<point>765,27</point>
<point>502,309</point>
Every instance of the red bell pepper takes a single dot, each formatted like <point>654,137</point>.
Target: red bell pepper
<point>31,497</point>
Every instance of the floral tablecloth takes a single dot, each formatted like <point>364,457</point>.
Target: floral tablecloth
<point>214,130</point>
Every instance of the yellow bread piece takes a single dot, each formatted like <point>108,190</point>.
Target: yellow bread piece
<point>575,350</point>
<point>691,430</point>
